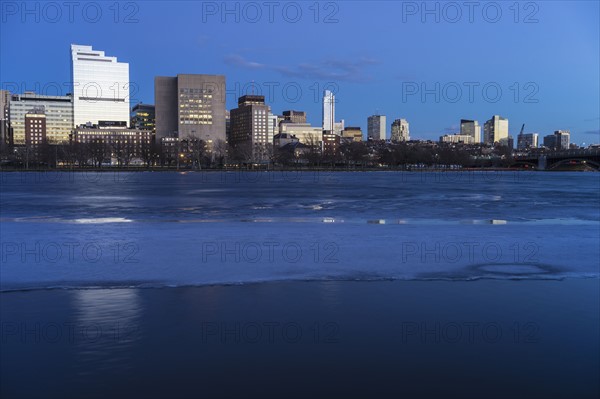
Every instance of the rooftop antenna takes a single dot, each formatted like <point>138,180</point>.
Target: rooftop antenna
<point>252,86</point>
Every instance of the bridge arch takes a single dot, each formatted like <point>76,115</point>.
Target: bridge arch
<point>562,162</point>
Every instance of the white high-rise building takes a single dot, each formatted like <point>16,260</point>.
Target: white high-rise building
<point>328,111</point>
<point>376,127</point>
<point>471,128</point>
<point>100,87</point>
<point>400,131</point>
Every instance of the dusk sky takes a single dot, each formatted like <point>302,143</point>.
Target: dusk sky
<point>376,55</point>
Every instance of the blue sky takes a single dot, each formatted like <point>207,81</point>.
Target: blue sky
<point>431,66</point>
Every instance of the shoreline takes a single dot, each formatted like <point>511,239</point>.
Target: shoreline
<point>425,170</point>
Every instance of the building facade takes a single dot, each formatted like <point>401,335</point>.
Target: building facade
<point>457,138</point>
<point>471,128</point>
<point>495,131</point>
<point>376,127</point>
<point>35,127</point>
<point>251,130</point>
<point>352,133</point>
<point>400,131</point>
<point>560,140</point>
<point>294,116</point>
<point>526,141</point>
<point>6,133</point>
<point>100,87</point>
<point>58,111</point>
<point>143,117</point>
<point>121,144</point>
<point>190,107</point>
<point>305,133</point>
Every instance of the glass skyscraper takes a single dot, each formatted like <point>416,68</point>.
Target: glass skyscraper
<point>328,110</point>
<point>100,87</point>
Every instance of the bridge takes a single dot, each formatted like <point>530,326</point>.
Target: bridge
<point>584,159</point>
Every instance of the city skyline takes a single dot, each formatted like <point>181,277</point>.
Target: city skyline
<point>367,78</point>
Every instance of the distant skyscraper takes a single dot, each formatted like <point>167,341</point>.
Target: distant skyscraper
<point>190,106</point>
<point>496,131</point>
<point>400,131</point>
<point>100,87</point>
<point>328,110</point>
<point>471,128</point>
<point>527,140</point>
<point>376,127</point>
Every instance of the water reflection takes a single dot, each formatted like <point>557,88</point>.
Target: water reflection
<point>107,325</point>
<point>330,294</point>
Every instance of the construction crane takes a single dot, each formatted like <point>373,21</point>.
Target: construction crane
<point>522,129</point>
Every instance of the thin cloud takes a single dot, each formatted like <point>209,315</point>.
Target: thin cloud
<point>593,132</point>
<point>334,70</point>
<point>451,129</point>
<point>239,61</point>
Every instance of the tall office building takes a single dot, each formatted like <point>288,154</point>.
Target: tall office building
<point>58,111</point>
<point>376,127</point>
<point>100,87</point>
<point>328,111</point>
<point>252,127</point>
<point>471,128</point>
<point>190,106</point>
<point>527,140</point>
<point>400,131</point>
<point>495,131</point>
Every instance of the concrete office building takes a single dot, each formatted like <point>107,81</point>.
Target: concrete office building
<point>471,128</point>
<point>57,109</point>
<point>376,127</point>
<point>495,131</point>
<point>400,131</point>
<point>190,107</point>
<point>100,87</point>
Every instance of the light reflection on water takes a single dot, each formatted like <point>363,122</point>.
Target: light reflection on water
<point>108,324</point>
